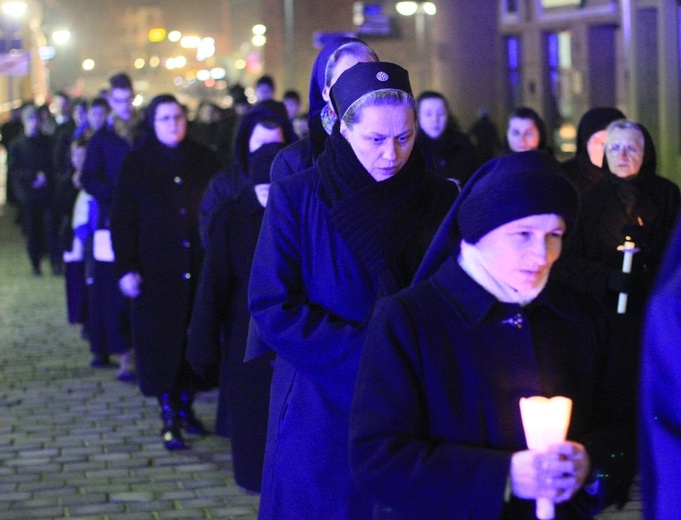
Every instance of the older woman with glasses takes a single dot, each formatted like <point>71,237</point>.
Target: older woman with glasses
<point>630,203</point>
<point>155,234</point>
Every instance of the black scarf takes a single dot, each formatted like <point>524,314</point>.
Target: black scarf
<point>380,221</point>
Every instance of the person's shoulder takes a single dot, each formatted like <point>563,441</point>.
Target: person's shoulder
<point>443,188</point>
<point>291,159</point>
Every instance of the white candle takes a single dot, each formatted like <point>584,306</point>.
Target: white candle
<point>629,249</point>
<point>545,422</point>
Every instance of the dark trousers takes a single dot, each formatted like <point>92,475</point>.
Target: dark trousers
<point>41,233</point>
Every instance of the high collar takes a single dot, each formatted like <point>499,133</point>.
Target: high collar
<point>475,304</point>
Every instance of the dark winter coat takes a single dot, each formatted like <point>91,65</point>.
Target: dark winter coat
<point>590,255</point>
<point>26,157</point>
<point>452,155</point>
<point>155,232</point>
<point>660,415</point>
<point>310,296</point>
<point>106,151</point>
<point>219,329</point>
<point>436,417</point>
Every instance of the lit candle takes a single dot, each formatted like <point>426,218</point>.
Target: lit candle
<point>629,249</point>
<point>545,422</point>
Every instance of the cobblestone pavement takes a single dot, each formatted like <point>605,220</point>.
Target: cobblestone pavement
<point>76,443</point>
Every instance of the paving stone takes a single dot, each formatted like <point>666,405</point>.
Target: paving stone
<point>131,496</point>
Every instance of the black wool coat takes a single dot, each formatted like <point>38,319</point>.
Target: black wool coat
<point>219,329</point>
<point>155,232</point>
<point>436,415</point>
<point>26,157</point>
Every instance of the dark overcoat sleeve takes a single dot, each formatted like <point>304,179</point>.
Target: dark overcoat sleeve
<point>125,214</point>
<point>660,410</point>
<point>308,336</point>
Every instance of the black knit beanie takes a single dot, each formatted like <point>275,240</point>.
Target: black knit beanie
<point>516,187</point>
<point>505,189</point>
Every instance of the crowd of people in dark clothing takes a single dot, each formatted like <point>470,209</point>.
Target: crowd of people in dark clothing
<point>371,288</point>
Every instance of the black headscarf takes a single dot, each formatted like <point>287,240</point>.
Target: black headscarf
<point>504,189</point>
<point>262,111</point>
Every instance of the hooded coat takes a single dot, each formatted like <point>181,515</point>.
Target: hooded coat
<point>230,181</point>
<point>219,325</point>
<point>435,418</point>
<point>155,232</point>
<point>580,170</point>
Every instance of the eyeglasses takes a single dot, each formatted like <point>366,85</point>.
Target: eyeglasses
<point>622,148</point>
<point>168,119</point>
<point>122,100</point>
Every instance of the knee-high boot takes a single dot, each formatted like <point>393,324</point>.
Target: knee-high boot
<point>171,433</point>
<point>188,420</point>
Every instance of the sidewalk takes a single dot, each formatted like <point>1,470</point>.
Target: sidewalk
<point>75,442</point>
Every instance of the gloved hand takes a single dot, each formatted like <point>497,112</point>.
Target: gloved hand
<point>130,285</point>
<point>620,282</point>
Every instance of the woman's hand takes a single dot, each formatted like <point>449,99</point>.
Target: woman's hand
<point>556,474</point>
<point>130,285</point>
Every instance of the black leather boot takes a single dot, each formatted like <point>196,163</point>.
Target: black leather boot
<point>188,420</point>
<point>171,434</point>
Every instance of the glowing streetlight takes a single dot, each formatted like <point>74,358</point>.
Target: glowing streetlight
<point>61,37</point>
<point>140,63</point>
<point>14,9</point>
<point>88,64</point>
<point>259,29</point>
<point>190,42</point>
<point>419,9</point>
<point>158,34</point>
<point>174,36</point>
<point>240,64</point>
<point>258,40</point>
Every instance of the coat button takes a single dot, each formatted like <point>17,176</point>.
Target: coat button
<point>186,244</point>
<point>178,180</point>
<point>187,276</point>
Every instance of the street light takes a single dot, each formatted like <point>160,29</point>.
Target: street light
<point>61,37</point>
<point>14,9</point>
<point>419,10</point>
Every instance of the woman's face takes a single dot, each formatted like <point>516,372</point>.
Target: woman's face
<point>433,117</point>
<point>521,253</point>
<point>522,135</point>
<point>382,139</point>
<point>262,135</point>
<point>170,124</point>
<point>96,116</point>
<point>624,149</point>
<point>595,147</point>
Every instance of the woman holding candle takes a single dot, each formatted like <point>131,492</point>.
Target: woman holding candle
<point>436,428</point>
<point>630,204</point>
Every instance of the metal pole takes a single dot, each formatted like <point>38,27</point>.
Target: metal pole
<point>420,25</point>
<point>289,38</point>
